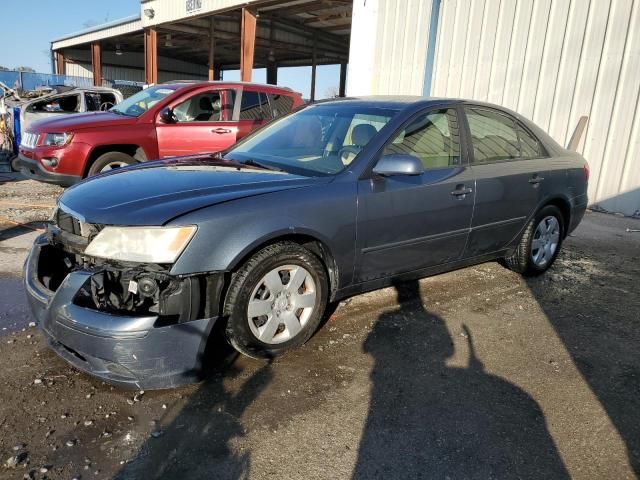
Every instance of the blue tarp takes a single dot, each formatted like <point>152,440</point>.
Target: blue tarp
<point>31,81</point>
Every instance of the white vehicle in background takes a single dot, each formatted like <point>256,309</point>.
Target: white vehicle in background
<point>44,103</point>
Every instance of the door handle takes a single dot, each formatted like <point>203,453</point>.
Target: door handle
<point>461,192</point>
<point>535,180</point>
<point>221,130</point>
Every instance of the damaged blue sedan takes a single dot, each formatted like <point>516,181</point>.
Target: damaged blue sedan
<point>336,199</point>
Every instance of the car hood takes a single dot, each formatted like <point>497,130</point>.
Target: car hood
<point>154,193</point>
<point>78,121</point>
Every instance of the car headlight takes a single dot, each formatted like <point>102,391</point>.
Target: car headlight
<point>141,244</point>
<point>57,139</point>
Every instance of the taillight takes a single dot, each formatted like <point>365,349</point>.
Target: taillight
<point>585,169</point>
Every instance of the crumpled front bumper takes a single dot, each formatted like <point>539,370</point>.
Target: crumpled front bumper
<point>128,351</point>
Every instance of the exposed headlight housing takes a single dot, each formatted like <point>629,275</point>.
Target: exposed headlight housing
<point>141,244</point>
<point>57,139</point>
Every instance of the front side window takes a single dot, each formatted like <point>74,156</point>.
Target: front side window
<point>432,137</point>
<point>319,140</point>
<point>202,107</point>
<point>254,106</point>
<point>62,104</point>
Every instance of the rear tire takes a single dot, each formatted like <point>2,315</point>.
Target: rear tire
<point>110,161</point>
<point>284,286</point>
<point>540,243</point>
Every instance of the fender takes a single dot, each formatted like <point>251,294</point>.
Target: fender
<point>230,232</point>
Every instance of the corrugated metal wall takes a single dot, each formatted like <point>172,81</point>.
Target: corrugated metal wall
<point>554,61</point>
<point>390,57</point>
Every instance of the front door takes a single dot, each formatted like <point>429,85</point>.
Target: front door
<point>202,125</point>
<point>509,174</point>
<point>407,223</point>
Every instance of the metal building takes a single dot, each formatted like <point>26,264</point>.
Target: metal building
<point>554,61</point>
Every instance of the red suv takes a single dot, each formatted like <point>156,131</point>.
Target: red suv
<point>161,121</point>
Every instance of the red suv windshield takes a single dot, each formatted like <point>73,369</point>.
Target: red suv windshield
<point>137,104</point>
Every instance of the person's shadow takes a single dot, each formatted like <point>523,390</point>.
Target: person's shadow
<point>197,442</point>
<point>429,420</point>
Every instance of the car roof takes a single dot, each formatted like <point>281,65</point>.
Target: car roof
<point>199,83</point>
<point>396,102</point>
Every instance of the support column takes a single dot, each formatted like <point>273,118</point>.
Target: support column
<point>343,79</point>
<point>212,48</point>
<point>96,63</point>
<point>60,66</point>
<point>272,73</point>
<point>150,56</point>
<point>247,44</point>
<point>312,94</point>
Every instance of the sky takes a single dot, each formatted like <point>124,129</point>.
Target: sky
<point>32,24</point>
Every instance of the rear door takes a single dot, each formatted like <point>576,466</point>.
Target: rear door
<point>203,124</point>
<point>508,171</point>
<point>406,223</point>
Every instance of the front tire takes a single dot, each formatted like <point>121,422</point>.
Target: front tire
<point>276,300</point>
<point>110,161</point>
<point>540,243</point>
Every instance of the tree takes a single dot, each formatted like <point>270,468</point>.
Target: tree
<point>25,69</point>
<point>3,68</point>
<point>332,92</point>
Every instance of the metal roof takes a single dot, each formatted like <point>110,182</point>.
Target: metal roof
<point>114,28</point>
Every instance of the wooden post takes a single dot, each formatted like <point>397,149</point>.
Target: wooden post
<point>343,79</point>
<point>212,48</point>
<point>96,63</point>
<point>60,66</point>
<point>313,72</point>
<point>247,44</point>
<point>150,56</point>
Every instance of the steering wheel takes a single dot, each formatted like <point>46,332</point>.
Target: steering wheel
<point>106,106</point>
<point>348,153</point>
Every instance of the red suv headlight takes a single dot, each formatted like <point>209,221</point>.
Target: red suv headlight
<point>56,139</point>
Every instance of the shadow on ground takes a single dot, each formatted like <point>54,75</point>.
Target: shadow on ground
<point>601,332</point>
<point>12,231</point>
<point>430,420</point>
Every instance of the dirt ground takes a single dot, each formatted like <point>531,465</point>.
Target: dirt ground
<point>477,373</point>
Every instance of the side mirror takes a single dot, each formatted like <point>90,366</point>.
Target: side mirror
<point>398,164</point>
<point>167,116</point>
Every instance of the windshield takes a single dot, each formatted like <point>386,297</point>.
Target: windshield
<point>319,140</point>
<point>137,104</point>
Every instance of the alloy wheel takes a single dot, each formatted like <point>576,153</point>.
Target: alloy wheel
<point>545,241</point>
<point>281,304</point>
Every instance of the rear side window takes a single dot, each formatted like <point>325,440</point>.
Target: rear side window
<point>530,146</point>
<point>494,136</point>
<point>432,137</point>
<point>254,106</point>
<point>498,137</point>
<point>280,104</point>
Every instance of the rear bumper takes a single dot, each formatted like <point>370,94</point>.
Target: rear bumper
<point>33,169</point>
<point>578,209</point>
<point>127,351</point>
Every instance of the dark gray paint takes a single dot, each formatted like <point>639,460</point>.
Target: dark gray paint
<point>375,229</point>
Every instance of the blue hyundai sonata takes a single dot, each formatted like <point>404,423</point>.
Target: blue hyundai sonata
<point>338,198</point>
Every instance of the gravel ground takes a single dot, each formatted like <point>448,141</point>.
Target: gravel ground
<point>472,374</point>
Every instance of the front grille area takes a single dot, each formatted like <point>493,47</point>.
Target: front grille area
<point>68,223</point>
<point>29,140</point>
